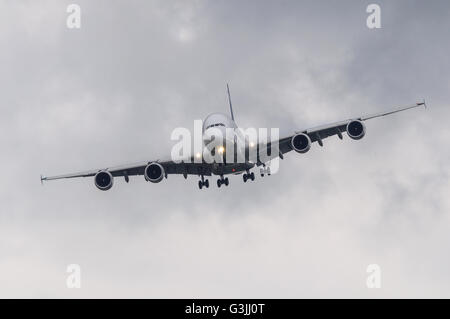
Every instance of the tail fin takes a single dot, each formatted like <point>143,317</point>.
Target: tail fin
<point>229,100</point>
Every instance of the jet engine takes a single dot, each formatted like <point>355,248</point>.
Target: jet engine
<point>154,172</point>
<point>301,143</point>
<point>103,180</point>
<point>356,130</point>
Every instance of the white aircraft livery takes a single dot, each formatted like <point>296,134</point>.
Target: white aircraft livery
<point>245,153</point>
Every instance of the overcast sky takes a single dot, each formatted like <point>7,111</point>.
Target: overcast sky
<point>112,92</point>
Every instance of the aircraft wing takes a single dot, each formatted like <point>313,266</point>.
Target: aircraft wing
<point>318,133</point>
<point>170,167</point>
<point>189,167</point>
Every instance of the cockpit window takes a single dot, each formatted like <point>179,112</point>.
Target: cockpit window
<point>213,125</point>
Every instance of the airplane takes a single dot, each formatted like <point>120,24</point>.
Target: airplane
<point>299,141</point>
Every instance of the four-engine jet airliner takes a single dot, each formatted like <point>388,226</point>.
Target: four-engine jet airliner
<point>300,141</point>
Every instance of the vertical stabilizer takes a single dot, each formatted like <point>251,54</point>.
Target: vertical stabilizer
<point>229,100</point>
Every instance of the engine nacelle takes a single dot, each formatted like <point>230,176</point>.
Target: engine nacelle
<point>301,143</point>
<point>103,180</point>
<point>356,130</point>
<point>154,172</point>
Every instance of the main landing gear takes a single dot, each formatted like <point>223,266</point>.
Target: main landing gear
<point>247,176</point>
<point>203,182</point>
<point>222,181</point>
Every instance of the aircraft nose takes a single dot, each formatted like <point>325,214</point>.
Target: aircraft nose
<point>214,132</point>
<point>218,137</point>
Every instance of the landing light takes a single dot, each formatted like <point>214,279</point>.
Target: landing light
<point>252,144</point>
<point>198,155</point>
<point>221,150</point>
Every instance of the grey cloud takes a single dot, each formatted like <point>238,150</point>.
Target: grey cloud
<point>112,92</point>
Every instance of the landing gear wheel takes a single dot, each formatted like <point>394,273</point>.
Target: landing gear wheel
<point>244,177</point>
<point>206,183</point>
<point>252,176</point>
<point>219,183</point>
<point>226,181</point>
<point>200,184</point>
<point>264,170</point>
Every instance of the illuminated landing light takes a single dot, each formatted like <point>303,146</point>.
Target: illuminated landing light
<point>221,150</point>
<point>198,155</point>
<point>252,144</point>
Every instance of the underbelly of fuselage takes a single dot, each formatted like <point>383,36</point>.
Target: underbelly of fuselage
<point>233,168</point>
